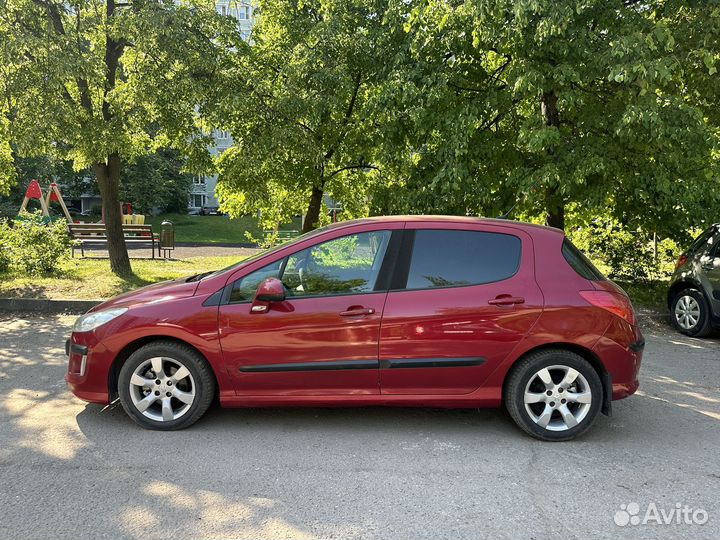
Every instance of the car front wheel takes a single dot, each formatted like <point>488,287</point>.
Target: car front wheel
<point>691,313</point>
<point>553,395</point>
<point>166,386</point>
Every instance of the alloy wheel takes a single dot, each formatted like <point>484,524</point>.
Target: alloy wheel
<point>162,389</point>
<point>557,398</point>
<point>687,312</point>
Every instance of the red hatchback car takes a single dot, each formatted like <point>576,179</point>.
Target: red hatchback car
<point>408,311</point>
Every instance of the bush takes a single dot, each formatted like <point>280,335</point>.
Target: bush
<point>34,245</point>
<point>8,209</point>
<point>628,254</point>
<point>4,242</point>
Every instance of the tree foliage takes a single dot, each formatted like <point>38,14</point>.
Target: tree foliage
<point>545,106</point>
<point>558,104</point>
<point>102,83</point>
<point>296,105</point>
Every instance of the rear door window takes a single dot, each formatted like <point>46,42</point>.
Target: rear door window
<point>454,258</point>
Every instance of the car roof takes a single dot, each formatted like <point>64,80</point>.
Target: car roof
<point>529,227</point>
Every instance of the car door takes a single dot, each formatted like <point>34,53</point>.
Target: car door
<point>460,301</point>
<point>710,271</point>
<point>323,338</point>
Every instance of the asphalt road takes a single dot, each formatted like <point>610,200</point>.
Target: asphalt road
<point>72,470</point>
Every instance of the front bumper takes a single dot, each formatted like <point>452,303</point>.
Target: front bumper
<point>87,374</point>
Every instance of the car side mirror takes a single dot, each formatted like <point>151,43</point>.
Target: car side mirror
<point>270,290</point>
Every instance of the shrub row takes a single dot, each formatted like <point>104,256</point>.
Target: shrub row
<point>33,244</point>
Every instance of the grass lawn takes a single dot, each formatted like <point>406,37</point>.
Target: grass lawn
<point>213,229</point>
<point>88,279</point>
<point>644,295</point>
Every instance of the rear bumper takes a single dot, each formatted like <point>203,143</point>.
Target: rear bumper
<point>621,350</point>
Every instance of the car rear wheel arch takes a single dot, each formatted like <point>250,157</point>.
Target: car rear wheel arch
<point>703,324</point>
<point>133,346</point>
<point>680,286</point>
<point>581,351</point>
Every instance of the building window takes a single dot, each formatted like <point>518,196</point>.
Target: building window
<point>244,13</point>
<point>223,10</point>
<point>197,200</point>
<point>199,180</point>
<point>221,134</point>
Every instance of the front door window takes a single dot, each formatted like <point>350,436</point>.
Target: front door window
<point>347,265</point>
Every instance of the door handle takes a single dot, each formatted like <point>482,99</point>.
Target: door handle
<point>506,300</point>
<point>356,311</point>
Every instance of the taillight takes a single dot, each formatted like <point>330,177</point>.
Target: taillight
<point>682,260</point>
<point>617,304</point>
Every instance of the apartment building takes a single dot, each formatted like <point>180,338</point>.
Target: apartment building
<point>202,192</point>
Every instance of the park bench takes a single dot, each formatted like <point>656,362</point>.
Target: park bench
<point>280,236</point>
<point>95,233</point>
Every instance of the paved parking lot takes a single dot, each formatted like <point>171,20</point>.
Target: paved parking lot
<point>72,470</point>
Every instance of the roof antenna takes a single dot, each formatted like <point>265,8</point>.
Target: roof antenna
<point>506,215</point>
<point>522,196</point>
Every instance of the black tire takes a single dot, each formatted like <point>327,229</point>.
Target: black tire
<point>525,371</point>
<point>703,326</point>
<point>202,379</point>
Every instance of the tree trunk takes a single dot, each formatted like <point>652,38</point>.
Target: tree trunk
<point>313,212</point>
<point>108,179</point>
<point>556,216</point>
<point>555,204</point>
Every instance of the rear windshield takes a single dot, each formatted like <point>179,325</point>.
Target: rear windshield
<point>580,263</point>
<point>704,240</point>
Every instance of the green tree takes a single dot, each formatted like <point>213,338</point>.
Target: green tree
<point>156,181</point>
<point>152,181</point>
<point>102,83</point>
<point>557,104</point>
<point>296,106</point>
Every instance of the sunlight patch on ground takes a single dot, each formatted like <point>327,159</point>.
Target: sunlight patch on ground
<point>251,517</point>
<point>46,424</point>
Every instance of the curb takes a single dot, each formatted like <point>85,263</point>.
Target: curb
<point>46,306</point>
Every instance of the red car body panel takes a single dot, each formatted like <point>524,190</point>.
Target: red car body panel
<point>304,330</point>
<point>445,324</point>
<point>457,322</point>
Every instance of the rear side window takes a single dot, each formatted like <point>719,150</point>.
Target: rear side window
<point>580,263</point>
<point>449,258</point>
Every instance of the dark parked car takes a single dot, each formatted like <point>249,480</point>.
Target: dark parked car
<point>405,311</point>
<point>210,211</point>
<point>694,294</point>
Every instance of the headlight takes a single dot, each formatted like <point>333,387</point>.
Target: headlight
<point>92,320</point>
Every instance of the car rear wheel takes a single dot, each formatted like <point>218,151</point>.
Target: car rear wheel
<point>166,386</point>
<point>691,313</point>
<point>553,395</point>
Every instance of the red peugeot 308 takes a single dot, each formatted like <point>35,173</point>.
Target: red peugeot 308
<point>409,311</point>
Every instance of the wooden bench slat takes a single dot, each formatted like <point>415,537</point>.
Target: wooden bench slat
<point>96,233</point>
<point>103,240</point>
<point>130,229</point>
